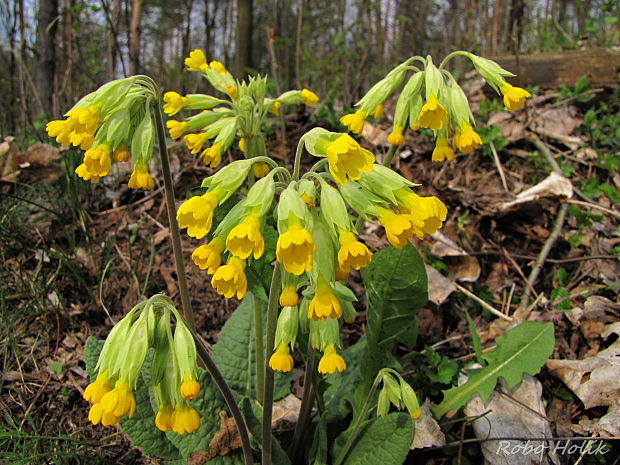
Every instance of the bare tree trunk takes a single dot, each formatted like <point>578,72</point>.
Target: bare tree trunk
<point>134,38</point>
<point>515,25</point>
<point>113,21</point>
<point>243,39</point>
<point>300,15</point>
<point>495,26</point>
<point>47,80</point>
<point>186,32</point>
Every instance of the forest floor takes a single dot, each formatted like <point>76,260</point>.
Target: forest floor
<point>75,257</point>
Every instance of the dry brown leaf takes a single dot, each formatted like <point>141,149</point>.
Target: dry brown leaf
<point>461,265</point>
<point>511,127</point>
<point>40,154</point>
<point>439,287</point>
<point>427,430</point>
<point>285,412</point>
<point>560,121</point>
<point>374,134</point>
<point>519,414</point>
<point>554,185</point>
<point>594,379</point>
<point>224,441</point>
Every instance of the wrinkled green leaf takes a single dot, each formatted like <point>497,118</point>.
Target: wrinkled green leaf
<point>235,353</point>
<point>521,350</point>
<point>385,440</point>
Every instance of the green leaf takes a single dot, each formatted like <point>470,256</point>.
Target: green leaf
<point>92,349</point>
<point>396,288</point>
<point>319,444</point>
<point>475,339</point>
<point>385,440</point>
<point>521,350</point>
<point>235,352</point>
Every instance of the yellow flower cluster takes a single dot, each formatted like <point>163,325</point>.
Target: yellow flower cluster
<point>122,357</point>
<point>105,124</point>
<point>432,99</point>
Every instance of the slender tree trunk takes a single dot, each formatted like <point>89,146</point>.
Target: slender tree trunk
<point>134,38</point>
<point>46,77</point>
<point>243,55</point>
<point>115,12</point>
<point>186,32</point>
<point>497,8</point>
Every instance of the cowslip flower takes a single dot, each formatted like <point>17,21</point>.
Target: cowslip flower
<point>196,61</point>
<point>97,160</point>
<point>288,296</point>
<point>331,361</point>
<point>433,115</point>
<point>184,419</point>
<point>309,97</point>
<point>140,177</point>
<point>378,111</point>
<point>245,239</point>
<point>196,214</point>
<point>352,253</point>
<point>427,213</point>
<point>514,97</point>
<point>442,150</point>
<point>121,153</point>
<point>82,172</point>
<point>398,227</point>
<point>294,250</point>
<point>355,121</point>
<point>174,103</point>
<point>230,279</point>
<point>212,156</point>
<point>281,359</point>
<point>260,170</point>
<point>324,304</point>
<point>163,419</point>
<point>120,400</point>
<point>176,128</point>
<point>347,159</point>
<point>219,67</point>
<point>466,139</point>
<point>194,142</point>
<point>396,136</point>
<point>208,256</point>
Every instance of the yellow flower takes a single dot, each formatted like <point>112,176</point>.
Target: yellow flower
<point>140,177</point>
<point>442,150</point>
<point>294,250</point>
<point>184,419</point>
<point>331,361</point>
<point>176,128</point>
<point>309,97</point>
<point>212,156</point>
<point>230,279</point>
<point>196,214</point>
<point>174,103</point>
<point>82,172</point>
<point>288,296</point>
<point>96,415</point>
<point>398,227</point>
<point>60,129</point>
<point>340,274</point>
<point>466,139</point>
<point>194,142</point>
<point>378,111</point>
<point>245,239</point>
<point>275,108</point>
<point>514,97</point>
<point>396,136</point>
<point>347,159</point>
<point>96,390</point>
<point>260,169</point>
<point>308,200</point>
<point>189,388</point>
<point>196,61</point>
<point>427,213</point>
<point>120,400</point>
<point>163,419</point>
<point>241,144</point>
<point>352,253</point>
<point>433,114</point>
<point>219,67</point>
<point>84,120</point>
<point>207,256</point>
<point>324,304</point>
<point>281,359</point>
<point>355,121</point>
<point>97,160</point>
<point>121,154</point>
<point>231,91</point>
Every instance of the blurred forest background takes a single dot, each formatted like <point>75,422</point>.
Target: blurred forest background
<point>54,51</point>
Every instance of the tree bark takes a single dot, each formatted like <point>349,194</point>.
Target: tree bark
<point>47,80</point>
<point>243,55</point>
<point>134,38</point>
<point>113,21</point>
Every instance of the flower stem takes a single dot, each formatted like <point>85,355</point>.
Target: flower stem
<point>188,313</point>
<point>272,322</point>
<point>217,376</point>
<point>452,55</point>
<point>260,349</point>
<point>307,400</point>
<point>296,165</point>
<point>358,422</point>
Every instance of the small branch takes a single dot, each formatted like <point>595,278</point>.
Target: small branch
<point>498,164</point>
<point>596,206</point>
<point>473,296</point>
<point>545,152</point>
<point>544,252</point>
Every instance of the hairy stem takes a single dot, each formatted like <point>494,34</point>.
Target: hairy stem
<point>307,400</point>
<point>188,313</point>
<point>272,322</point>
<point>296,165</point>
<point>260,349</point>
